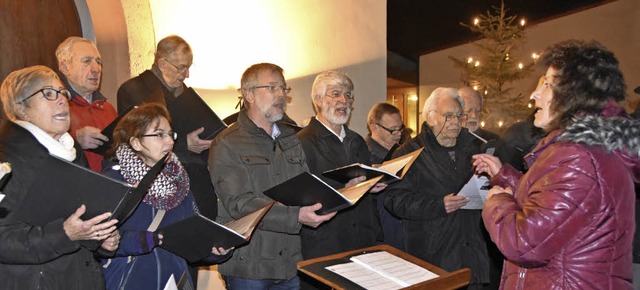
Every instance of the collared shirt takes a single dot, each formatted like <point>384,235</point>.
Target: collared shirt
<point>342,131</point>
<point>275,131</point>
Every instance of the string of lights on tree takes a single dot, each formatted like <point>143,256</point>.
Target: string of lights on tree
<point>497,64</point>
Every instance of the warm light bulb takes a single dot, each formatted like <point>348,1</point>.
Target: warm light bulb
<point>475,88</point>
<point>413,98</point>
<point>520,65</point>
<point>476,21</point>
<point>477,63</point>
<point>522,22</point>
<point>529,105</point>
<point>486,92</point>
<point>482,124</point>
<point>470,60</point>
<point>500,124</point>
<point>535,55</point>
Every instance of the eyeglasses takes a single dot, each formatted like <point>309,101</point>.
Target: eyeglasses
<point>163,135</point>
<point>180,69</point>
<point>391,131</point>
<point>450,116</point>
<point>336,94</point>
<point>50,94</point>
<point>274,89</point>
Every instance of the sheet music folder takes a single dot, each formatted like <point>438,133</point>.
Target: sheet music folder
<point>191,112</point>
<point>392,170</point>
<point>192,238</point>
<point>70,185</point>
<point>108,131</point>
<point>307,189</point>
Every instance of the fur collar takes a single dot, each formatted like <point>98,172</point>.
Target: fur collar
<point>617,134</point>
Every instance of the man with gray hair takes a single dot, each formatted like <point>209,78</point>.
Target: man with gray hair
<point>473,106</point>
<point>254,154</point>
<point>435,227</point>
<point>80,68</point>
<point>329,144</point>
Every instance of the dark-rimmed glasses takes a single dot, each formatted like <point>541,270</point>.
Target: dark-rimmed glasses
<point>391,131</point>
<point>180,69</point>
<point>49,93</point>
<point>450,116</point>
<point>163,135</point>
<point>274,89</point>
<point>336,94</point>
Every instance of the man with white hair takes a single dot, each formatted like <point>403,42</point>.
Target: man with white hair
<point>435,227</point>
<point>329,144</point>
<point>80,68</point>
<point>473,106</point>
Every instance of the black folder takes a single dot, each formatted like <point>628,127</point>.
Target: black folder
<point>307,189</point>
<point>400,166</point>
<point>193,237</point>
<point>70,185</point>
<point>190,112</point>
<point>108,131</point>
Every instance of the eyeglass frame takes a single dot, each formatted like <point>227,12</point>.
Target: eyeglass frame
<point>462,117</point>
<point>58,92</point>
<point>350,98</point>
<point>272,88</point>
<point>180,70</point>
<point>391,131</point>
<point>163,135</point>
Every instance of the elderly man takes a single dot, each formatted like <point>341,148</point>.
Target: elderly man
<point>80,68</point>
<point>254,154</point>
<point>435,228</point>
<point>329,144</point>
<point>473,109</point>
<point>385,129</point>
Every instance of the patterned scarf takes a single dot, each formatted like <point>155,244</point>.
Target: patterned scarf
<point>170,187</point>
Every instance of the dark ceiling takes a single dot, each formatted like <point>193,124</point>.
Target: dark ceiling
<point>416,27</point>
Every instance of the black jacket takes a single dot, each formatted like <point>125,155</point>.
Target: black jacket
<point>147,88</point>
<point>352,228</point>
<point>37,257</point>
<point>450,241</point>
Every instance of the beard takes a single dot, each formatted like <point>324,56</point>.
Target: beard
<point>337,116</point>
<point>274,112</point>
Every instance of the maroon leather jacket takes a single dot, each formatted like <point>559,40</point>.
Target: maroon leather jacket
<point>570,222</point>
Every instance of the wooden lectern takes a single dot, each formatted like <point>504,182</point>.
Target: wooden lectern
<point>316,269</point>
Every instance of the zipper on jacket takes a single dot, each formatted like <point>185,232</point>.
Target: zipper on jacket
<point>521,275</point>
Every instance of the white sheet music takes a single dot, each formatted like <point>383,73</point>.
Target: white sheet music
<point>171,284</point>
<point>474,191</point>
<point>382,270</point>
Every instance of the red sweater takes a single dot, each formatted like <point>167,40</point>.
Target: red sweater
<point>98,114</point>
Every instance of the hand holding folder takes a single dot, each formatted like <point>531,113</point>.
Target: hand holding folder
<point>307,189</point>
<point>392,170</point>
<point>69,186</point>
<point>193,238</point>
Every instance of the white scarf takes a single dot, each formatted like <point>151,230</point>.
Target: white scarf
<point>63,147</point>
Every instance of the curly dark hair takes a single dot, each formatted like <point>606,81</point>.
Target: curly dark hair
<point>587,77</point>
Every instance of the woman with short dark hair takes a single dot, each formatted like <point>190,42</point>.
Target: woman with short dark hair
<point>568,222</point>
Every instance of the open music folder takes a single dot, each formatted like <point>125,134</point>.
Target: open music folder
<point>192,238</point>
<point>307,189</point>
<point>392,170</point>
<point>191,112</point>
<point>70,185</point>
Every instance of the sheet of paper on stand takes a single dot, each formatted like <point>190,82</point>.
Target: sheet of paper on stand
<point>382,270</point>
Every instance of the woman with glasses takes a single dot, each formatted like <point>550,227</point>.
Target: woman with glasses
<point>568,222</point>
<point>142,138</point>
<point>49,256</point>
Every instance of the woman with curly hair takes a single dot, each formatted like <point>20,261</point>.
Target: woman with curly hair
<point>568,222</point>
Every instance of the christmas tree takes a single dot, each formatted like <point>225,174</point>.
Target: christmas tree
<point>496,65</point>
